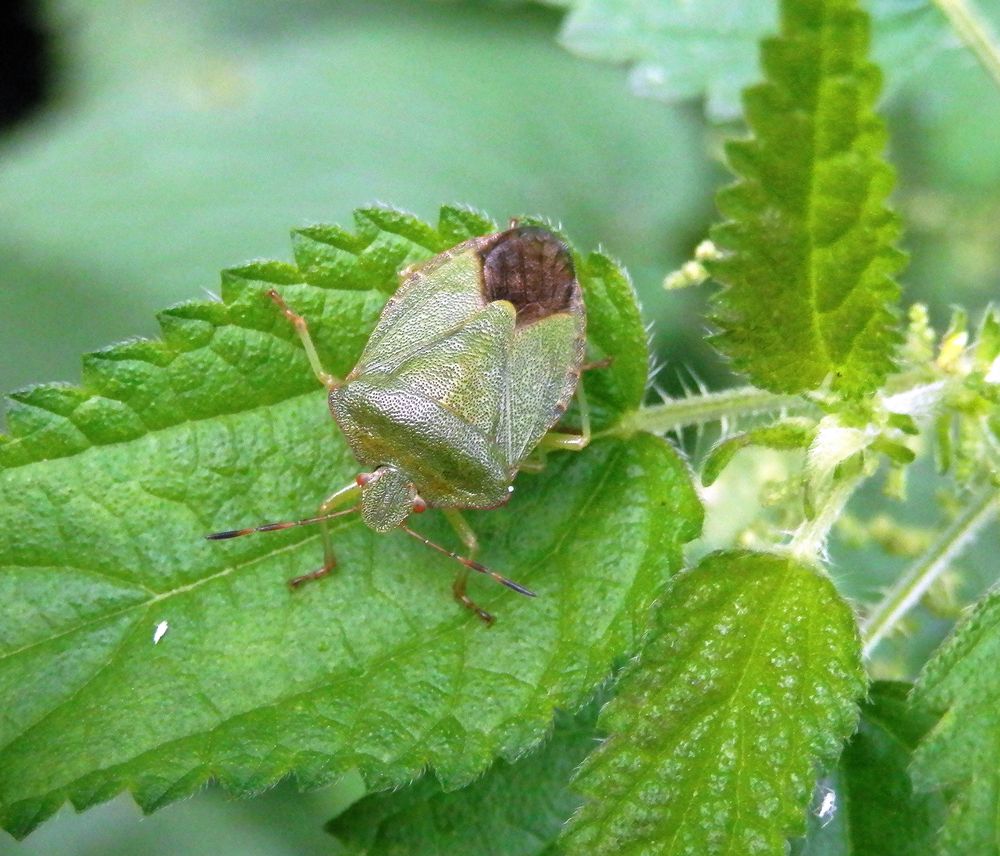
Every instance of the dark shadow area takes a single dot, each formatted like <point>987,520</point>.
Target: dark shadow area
<point>25,69</point>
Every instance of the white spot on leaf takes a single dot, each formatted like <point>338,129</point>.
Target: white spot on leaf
<point>827,807</point>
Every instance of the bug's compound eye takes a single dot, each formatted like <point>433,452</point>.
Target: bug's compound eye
<point>363,478</point>
<point>419,504</point>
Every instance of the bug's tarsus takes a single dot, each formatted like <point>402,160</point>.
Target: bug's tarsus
<point>328,566</point>
<point>458,589</point>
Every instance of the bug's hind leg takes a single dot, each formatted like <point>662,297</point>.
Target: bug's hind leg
<point>566,441</point>
<point>458,588</point>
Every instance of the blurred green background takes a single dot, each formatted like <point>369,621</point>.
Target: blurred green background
<point>180,137</point>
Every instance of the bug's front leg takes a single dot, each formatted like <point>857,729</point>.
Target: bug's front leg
<point>302,328</point>
<point>335,499</point>
<point>468,538</point>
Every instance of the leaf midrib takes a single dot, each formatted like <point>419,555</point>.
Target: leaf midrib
<point>813,193</point>
<point>717,712</point>
<point>326,682</point>
<point>181,589</point>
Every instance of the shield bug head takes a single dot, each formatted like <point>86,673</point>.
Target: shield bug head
<point>473,361</point>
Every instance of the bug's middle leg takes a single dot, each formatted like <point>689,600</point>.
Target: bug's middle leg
<point>329,560</point>
<point>468,538</point>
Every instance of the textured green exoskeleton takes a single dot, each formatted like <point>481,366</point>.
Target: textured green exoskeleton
<point>474,359</point>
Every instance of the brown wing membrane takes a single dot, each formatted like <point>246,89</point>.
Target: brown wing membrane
<point>532,269</point>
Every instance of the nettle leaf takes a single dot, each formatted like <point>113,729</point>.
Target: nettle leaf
<point>746,686</point>
<point>709,49</point>
<point>107,490</point>
<point>961,754</point>
<point>513,810</point>
<point>874,810</point>
<point>807,248</point>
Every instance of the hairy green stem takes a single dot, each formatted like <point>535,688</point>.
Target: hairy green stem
<point>913,584</point>
<point>975,32</point>
<point>808,540</point>
<point>677,413</point>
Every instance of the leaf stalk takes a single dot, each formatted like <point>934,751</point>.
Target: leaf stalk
<point>809,540</point>
<point>974,31</point>
<point>707,407</point>
<point>919,577</point>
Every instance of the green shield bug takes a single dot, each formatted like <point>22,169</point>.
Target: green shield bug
<point>473,361</point>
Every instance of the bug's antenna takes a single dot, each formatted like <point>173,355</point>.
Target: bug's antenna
<point>469,563</point>
<point>275,527</point>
